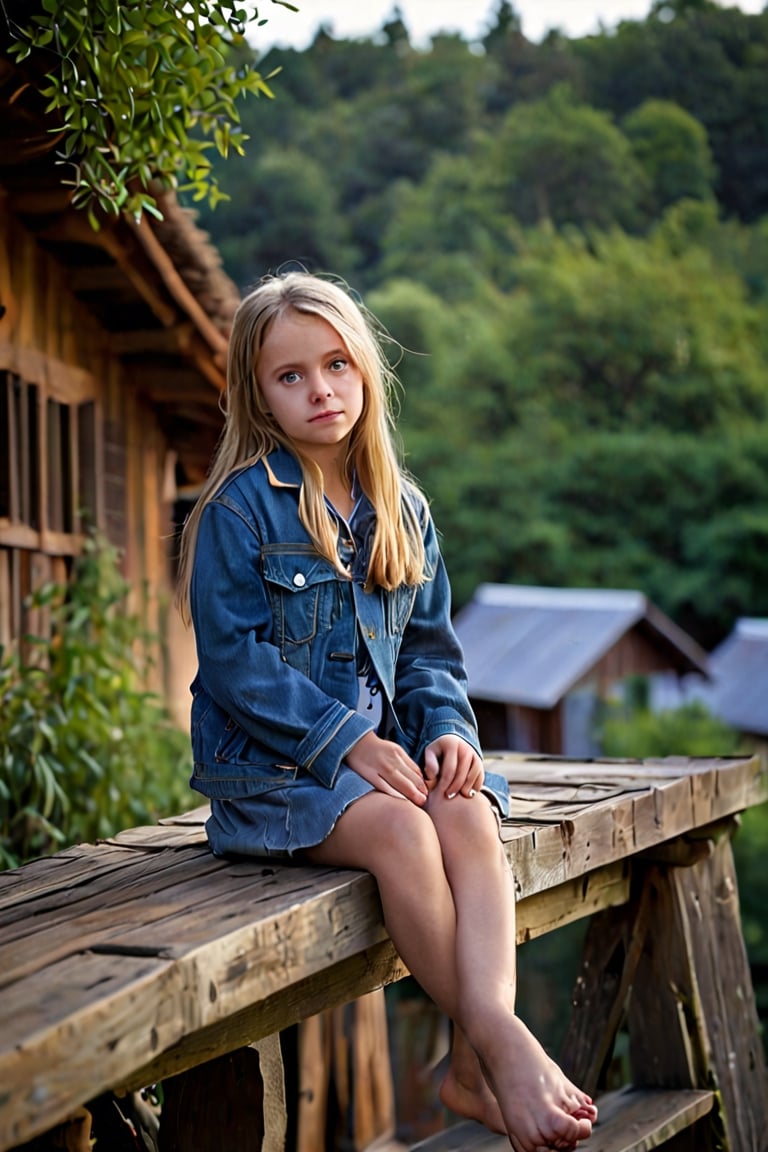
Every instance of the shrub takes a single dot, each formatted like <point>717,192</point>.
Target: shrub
<point>85,748</point>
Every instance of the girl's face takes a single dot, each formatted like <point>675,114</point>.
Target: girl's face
<point>309,383</point>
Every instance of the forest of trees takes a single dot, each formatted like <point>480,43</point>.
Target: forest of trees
<point>570,240</point>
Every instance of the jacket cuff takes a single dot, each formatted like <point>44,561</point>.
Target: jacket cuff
<point>446,722</point>
<point>324,747</point>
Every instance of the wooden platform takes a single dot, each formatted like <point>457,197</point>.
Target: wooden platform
<point>133,960</point>
<point>631,1120</point>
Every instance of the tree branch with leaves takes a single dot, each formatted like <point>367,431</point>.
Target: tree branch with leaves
<point>141,92</point>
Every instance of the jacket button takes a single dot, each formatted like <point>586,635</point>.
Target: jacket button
<point>299,579</point>
<point>371,633</point>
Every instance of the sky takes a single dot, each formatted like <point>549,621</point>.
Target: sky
<point>351,18</point>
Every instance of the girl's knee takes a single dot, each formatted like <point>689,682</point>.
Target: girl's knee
<point>473,823</point>
<point>412,832</point>
<point>395,829</point>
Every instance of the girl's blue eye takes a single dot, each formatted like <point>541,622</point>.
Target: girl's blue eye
<point>289,377</point>
<point>338,365</point>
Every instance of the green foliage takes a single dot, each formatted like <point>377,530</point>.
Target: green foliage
<point>142,91</point>
<point>710,60</point>
<point>749,852</point>
<point>628,731</point>
<point>597,420</point>
<point>560,161</point>
<point>620,332</point>
<point>297,212</point>
<point>453,147</point>
<point>85,749</point>
<point>673,149</point>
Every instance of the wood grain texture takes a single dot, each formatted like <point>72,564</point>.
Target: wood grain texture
<point>631,1120</point>
<point>143,956</point>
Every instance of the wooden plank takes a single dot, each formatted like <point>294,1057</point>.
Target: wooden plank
<point>631,1120</point>
<point>545,855</point>
<point>220,1000</point>
<point>313,1080</point>
<point>640,1119</point>
<point>231,951</point>
<point>46,1075</point>
<point>583,896</point>
<point>72,917</point>
<point>336,985</point>
<point>67,382</point>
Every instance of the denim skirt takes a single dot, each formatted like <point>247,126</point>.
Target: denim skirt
<point>283,820</point>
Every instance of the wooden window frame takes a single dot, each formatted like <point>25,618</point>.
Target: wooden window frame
<point>54,415</point>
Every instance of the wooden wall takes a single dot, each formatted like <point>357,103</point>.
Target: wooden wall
<point>73,435</point>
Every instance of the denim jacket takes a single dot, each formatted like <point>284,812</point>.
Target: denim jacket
<point>277,629</point>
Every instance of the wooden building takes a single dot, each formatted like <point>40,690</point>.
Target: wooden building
<point>539,659</point>
<point>112,361</point>
<point>737,692</point>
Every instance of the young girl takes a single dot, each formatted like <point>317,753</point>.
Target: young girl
<point>310,566</point>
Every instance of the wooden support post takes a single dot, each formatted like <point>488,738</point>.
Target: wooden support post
<point>345,1075</point>
<point>611,953</point>
<point>373,1087</point>
<point>314,1077</point>
<point>235,1102</point>
<point>694,971</point>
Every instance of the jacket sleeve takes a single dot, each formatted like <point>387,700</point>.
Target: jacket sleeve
<point>243,670</point>
<point>430,679</point>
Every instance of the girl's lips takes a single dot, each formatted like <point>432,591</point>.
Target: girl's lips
<point>321,416</point>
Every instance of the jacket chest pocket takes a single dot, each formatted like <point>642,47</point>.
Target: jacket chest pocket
<point>303,593</point>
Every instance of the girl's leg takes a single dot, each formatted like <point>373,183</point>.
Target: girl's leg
<point>457,945</point>
<point>397,842</point>
<point>531,1091</point>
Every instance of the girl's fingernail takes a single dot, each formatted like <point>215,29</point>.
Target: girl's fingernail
<point>451,795</point>
<point>472,792</point>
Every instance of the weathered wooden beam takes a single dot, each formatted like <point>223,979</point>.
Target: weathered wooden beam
<point>140,340</point>
<point>136,268</point>
<point>610,955</point>
<point>85,278</point>
<point>631,1120</point>
<point>35,201</point>
<point>179,291</point>
<point>694,973</point>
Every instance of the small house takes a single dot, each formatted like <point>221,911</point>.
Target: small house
<point>540,659</point>
<point>737,691</point>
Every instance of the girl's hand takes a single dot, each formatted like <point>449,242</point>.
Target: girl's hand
<point>455,764</point>
<point>385,765</point>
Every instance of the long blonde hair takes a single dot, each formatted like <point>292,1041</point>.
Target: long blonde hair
<point>250,432</point>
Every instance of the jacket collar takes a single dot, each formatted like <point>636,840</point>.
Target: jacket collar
<point>283,469</point>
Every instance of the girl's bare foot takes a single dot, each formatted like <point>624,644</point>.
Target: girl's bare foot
<point>473,1101</point>
<point>539,1105</point>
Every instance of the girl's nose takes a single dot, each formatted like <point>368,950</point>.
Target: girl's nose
<point>320,387</point>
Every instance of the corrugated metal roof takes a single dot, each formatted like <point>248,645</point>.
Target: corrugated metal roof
<point>739,666</point>
<point>529,646</point>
